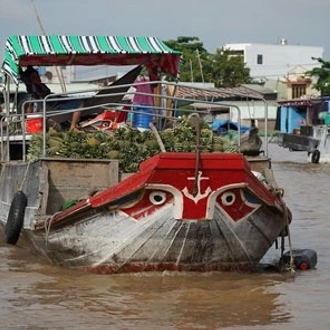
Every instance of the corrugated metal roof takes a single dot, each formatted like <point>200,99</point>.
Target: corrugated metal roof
<point>236,93</point>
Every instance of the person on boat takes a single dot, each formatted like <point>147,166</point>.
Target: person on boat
<point>38,90</point>
<point>250,141</point>
<point>253,125</point>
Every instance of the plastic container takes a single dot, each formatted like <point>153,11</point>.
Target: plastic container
<point>130,117</point>
<point>34,123</point>
<point>142,117</point>
<point>303,258</point>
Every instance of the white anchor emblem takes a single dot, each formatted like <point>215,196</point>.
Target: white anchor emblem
<point>198,196</point>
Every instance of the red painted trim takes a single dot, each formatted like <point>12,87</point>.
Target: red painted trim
<point>174,169</point>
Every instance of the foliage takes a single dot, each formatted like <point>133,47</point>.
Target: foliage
<point>198,65</point>
<point>229,70</point>
<point>193,54</point>
<point>129,146</point>
<point>323,74</point>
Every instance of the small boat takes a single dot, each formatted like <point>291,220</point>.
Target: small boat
<point>202,210</point>
<point>308,121</point>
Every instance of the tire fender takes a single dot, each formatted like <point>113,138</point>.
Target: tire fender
<point>15,218</point>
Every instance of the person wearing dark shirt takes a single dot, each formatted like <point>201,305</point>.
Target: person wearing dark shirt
<point>38,90</point>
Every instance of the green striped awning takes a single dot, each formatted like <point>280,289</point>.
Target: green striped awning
<point>54,50</point>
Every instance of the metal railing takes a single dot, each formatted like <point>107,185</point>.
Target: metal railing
<point>166,107</point>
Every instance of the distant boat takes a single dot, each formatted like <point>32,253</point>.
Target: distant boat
<point>308,122</point>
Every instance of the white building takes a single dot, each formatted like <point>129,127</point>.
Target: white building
<point>267,61</point>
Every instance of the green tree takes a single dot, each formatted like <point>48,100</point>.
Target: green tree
<point>193,55</point>
<point>198,65</point>
<point>323,74</point>
<point>229,70</point>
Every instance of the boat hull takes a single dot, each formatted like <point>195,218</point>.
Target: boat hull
<point>229,226</point>
<point>111,242</point>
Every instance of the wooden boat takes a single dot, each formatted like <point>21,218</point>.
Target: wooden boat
<point>183,211</point>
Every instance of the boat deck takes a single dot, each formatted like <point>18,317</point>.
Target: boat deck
<point>297,142</point>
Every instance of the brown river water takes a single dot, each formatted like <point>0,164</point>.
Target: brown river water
<point>36,295</point>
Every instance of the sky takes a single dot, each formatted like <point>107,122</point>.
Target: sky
<point>214,22</point>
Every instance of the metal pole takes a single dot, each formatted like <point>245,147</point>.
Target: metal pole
<point>266,127</point>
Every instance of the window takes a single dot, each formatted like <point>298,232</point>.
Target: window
<point>259,59</point>
<point>298,91</point>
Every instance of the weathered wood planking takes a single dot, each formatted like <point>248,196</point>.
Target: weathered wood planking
<point>71,179</point>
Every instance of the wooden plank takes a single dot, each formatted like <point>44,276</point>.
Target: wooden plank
<point>43,188</point>
<point>75,179</point>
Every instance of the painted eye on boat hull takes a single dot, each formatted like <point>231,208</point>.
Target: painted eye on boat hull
<point>157,197</point>
<point>228,198</point>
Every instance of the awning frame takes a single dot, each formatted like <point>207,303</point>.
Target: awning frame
<point>152,52</point>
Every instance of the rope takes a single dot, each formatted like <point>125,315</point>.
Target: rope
<point>291,266</point>
<point>48,224</point>
<point>25,176</point>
